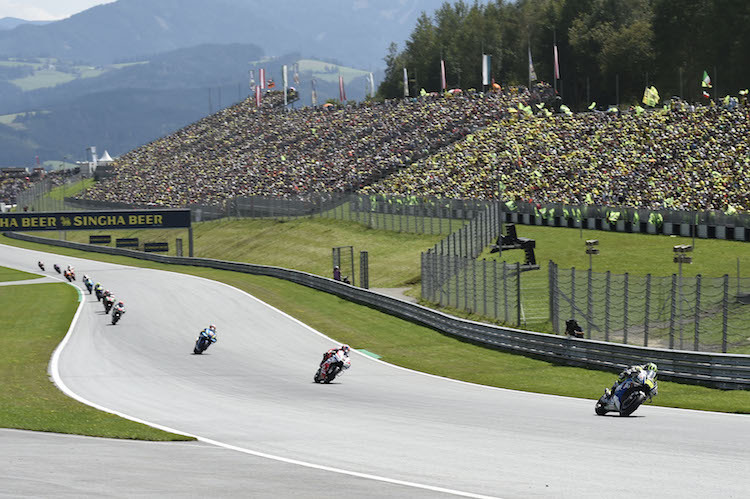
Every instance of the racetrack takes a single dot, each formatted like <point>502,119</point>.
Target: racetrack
<point>252,393</point>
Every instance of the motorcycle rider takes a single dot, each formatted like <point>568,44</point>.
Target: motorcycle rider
<point>629,373</point>
<point>108,299</point>
<point>210,333</point>
<point>98,289</point>
<point>87,282</point>
<point>41,264</point>
<point>329,358</point>
<point>119,308</point>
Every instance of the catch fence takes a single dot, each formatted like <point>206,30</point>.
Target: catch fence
<point>689,313</point>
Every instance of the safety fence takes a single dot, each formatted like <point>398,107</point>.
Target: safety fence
<point>37,197</point>
<point>717,370</point>
<point>433,215</point>
<point>697,313</point>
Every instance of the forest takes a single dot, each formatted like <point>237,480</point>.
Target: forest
<point>608,50</point>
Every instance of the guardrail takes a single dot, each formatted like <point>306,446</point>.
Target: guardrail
<point>717,370</point>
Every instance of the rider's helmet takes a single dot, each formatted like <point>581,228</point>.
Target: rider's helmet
<point>345,349</point>
<point>651,367</point>
<point>85,277</point>
<point>120,303</point>
<point>212,328</point>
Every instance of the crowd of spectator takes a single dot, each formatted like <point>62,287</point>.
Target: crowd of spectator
<point>683,158</point>
<point>13,182</point>
<point>465,145</point>
<point>241,151</point>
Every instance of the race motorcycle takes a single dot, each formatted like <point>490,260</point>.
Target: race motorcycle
<point>89,285</point>
<point>67,275</point>
<point>116,314</point>
<point>57,268</point>
<point>336,368</point>
<point>108,302</point>
<point>203,342</point>
<point>41,265</point>
<point>629,394</point>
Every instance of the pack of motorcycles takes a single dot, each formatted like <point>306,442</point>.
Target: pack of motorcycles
<point>627,396</point>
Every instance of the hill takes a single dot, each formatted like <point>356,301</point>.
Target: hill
<point>354,32</point>
<point>7,23</point>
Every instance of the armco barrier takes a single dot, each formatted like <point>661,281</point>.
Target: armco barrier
<point>716,370</point>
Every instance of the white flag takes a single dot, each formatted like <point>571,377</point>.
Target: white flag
<point>406,83</point>
<point>486,69</point>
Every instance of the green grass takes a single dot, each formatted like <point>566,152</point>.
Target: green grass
<point>409,345</point>
<point>302,244</point>
<point>64,191</point>
<point>321,70</point>
<point>29,400</point>
<point>43,78</point>
<point>7,275</point>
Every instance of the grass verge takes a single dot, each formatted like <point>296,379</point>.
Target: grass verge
<point>29,400</point>
<point>403,343</point>
<point>7,275</point>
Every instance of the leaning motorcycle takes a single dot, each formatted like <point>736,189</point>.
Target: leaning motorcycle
<point>629,395</point>
<point>202,343</point>
<point>108,301</point>
<point>336,368</point>
<point>116,314</point>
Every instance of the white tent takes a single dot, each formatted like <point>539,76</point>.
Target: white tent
<point>106,158</point>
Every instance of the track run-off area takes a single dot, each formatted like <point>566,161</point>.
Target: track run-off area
<point>264,429</point>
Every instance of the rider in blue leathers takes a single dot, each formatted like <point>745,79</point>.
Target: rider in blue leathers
<point>629,372</point>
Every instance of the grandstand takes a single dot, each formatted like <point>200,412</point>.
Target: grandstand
<point>465,146</point>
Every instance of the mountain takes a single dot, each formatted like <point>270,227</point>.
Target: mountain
<point>12,22</point>
<point>125,73</point>
<point>127,107</point>
<point>354,32</point>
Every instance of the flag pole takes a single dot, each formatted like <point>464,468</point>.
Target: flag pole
<point>554,56</point>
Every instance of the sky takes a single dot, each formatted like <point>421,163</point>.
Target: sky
<point>45,10</point>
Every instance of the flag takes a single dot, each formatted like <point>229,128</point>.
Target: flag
<point>592,106</point>
<point>406,83</point>
<point>706,94</point>
<point>372,85</point>
<point>257,96</point>
<point>650,96</point>
<point>706,82</point>
<point>262,78</point>
<point>296,73</point>
<point>443,82</point>
<point>314,93</point>
<point>532,73</point>
<point>486,68</point>
<point>342,92</point>
<point>285,78</point>
<point>557,64</point>
<point>252,78</point>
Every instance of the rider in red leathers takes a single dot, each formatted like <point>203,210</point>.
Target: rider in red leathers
<point>329,358</point>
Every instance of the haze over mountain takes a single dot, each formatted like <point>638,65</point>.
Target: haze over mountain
<point>125,73</point>
<point>12,22</point>
<point>356,32</point>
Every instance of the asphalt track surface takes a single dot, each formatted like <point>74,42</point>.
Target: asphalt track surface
<point>266,430</point>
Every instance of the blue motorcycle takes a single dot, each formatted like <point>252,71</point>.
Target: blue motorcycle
<point>629,394</point>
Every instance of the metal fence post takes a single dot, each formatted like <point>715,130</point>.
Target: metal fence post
<point>589,302</point>
<point>551,286</point>
<point>474,284</point>
<point>465,269</point>
<point>697,311</point>
<point>518,293</point>
<point>648,310</point>
<point>484,286</point>
<point>573,293</point>
<point>725,314</point>
<point>505,293</point>
<point>625,311</point>
<point>607,299</point>
<point>494,281</point>
<point>672,311</point>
